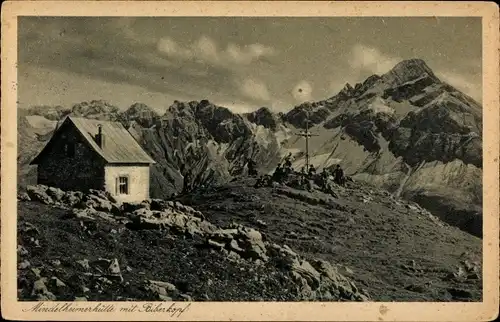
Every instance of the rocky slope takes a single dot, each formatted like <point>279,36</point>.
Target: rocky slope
<point>405,131</point>
<point>237,242</point>
<point>157,250</point>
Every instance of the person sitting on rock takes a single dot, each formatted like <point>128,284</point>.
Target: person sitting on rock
<point>260,182</point>
<point>251,168</point>
<point>338,175</point>
<point>187,182</point>
<point>312,170</point>
<point>325,173</point>
<point>278,174</point>
<point>324,179</point>
<point>309,184</point>
<point>288,161</point>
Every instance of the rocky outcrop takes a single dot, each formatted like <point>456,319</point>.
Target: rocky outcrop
<point>162,290</point>
<point>94,199</point>
<point>319,281</point>
<point>189,222</point>
<point>142,114</point>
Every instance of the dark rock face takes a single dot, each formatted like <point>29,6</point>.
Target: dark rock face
<point>263,116</point>
<point>367,84</point>
<point>410,89</point>
<point>467,219</point>
<point>364,127</point>
<point>436,146</point>
<point>444,116</point>
<point>297,116</point>
<point>209,140</point>
<point>443,130</point>
<point>337,121</point>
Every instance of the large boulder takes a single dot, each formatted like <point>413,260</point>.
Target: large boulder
<point>39,193</point>
<point>162,290</point>
<point>251,241</point>
<point>337,284</point>
<point>23,196</point>
<point>55,193</point>
<point>100,201</point>
<point>40,291</point>
<point>175,220</point>
<point>72,198</point>
<point>114,270</point>
<point>243,241</point>
<point>92,214</point>
<point>131,207</point>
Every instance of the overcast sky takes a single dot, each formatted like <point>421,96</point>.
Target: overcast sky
<point>241,63</point>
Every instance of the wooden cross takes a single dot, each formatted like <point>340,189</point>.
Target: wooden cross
<point>307,135</point>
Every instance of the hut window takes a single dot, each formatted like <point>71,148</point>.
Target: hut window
<point>123,185</point>
<point>69,149</point>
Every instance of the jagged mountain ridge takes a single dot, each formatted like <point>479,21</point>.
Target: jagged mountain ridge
<point>208,139</point>
<point>405,131</point>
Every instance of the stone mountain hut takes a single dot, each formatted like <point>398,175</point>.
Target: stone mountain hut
<point>91,154</point>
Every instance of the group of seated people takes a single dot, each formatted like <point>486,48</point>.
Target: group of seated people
<point>284,173</point>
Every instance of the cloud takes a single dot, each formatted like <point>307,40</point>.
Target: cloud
<point>370,59</point>
<point>464,84</point>
<point>337,85</point>
<point>302,91</point>
<point>205,50</point>
<point>169,47</point>
<point>236,106</point>
<point>247,54</point>
<point>280,106</point>
<point>364,58</point>
<point>254,89</point>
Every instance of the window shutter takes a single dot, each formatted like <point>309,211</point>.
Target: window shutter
<point>117,185</point>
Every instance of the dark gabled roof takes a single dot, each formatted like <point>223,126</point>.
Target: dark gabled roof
<point>119,145</point>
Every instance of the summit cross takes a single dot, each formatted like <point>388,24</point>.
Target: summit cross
<point>307,135</point>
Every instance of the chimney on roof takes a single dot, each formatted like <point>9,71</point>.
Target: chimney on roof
<point>99,138</point>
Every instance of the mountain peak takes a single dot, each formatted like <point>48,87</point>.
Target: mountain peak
<point>96,109</point>
<point>408,70</point>
<point>347,90</point>
<point>263,116</point>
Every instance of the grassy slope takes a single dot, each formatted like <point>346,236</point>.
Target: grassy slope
<point>375,239</point>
